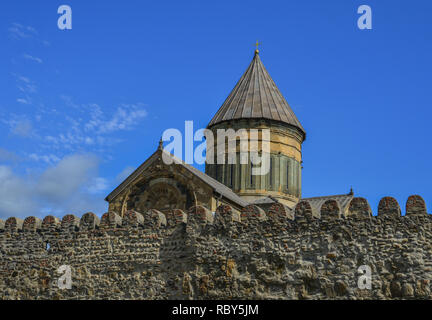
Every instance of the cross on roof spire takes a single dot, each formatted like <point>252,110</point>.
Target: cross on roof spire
<point>257,44</point>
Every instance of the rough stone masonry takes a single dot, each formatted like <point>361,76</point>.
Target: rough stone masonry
<point>252,254</point>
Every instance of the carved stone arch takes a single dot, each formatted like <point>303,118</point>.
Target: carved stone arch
<point>161,193</point>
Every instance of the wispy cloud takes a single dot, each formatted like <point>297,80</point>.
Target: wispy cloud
<point>25,84</point>
<point>19,31</point>
<point>124,118</point>
<point>46,158</point>
<point>32,58</point>
<point>91,126</point>
<point>24,100</point>
<point>23,128</point>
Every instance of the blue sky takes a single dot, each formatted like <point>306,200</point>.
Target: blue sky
<point>80,108</point>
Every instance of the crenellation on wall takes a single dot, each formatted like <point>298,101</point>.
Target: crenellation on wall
<point>359,208</point>
<point>330,210</point>
<point>89,221</point>
<point>283,253</point>
<point>252,214</point>
<point>199,215</point>
<point>70,222</point>
<point>13,224</point>
<point>110,220</point>
<point>32,224</point>
<point>389,206</point>
<point>415,205</point>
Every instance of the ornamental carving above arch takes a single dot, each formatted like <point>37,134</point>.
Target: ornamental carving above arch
<point>163,194</point>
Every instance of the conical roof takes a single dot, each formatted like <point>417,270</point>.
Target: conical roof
<point>256,96</point>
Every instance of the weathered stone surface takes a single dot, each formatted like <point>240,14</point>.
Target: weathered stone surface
<point>13,224</point>
<point>415,205</point>
<point>252,214</point>
<point>226,214</point>
<point>195,259</point>
<point>154,219</point>
<point>280,213</point>
<point>303,212</point>
<point>200,215</point>
<point>89,221</point>
<point>31,224</point>
<point>132,218</point>
<point>69,221</point>
<point>359,208</point>
<point>176,217</point>
<point>389,206</point>
<point>50,222</point>
<point>110,220</point>
<point>330,210</point>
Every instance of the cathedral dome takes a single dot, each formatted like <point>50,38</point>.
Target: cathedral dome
<point>256,96</point>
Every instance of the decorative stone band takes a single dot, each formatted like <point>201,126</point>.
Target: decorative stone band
<point>304,212</point>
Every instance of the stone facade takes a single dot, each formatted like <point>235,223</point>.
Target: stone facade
<point>194,254</point>
<point>162,186</point>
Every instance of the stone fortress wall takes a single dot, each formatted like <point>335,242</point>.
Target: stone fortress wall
<point>302,253</point>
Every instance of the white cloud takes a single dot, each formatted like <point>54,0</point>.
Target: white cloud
<point>18,31</point>
<point>15,195</point>
<point>70,186</point>
<point>126,172</point>
<point>67,177</point>
<point>47,158</point>
<point>32,58</point>
<point>24,100</point>
<point>90,126</point>
<point>25,85</point>
<point>98,185</point>
<point>23,128</point>
<point>125,118</point>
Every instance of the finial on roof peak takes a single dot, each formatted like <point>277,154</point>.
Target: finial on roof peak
<point>351,191</point>
<point>257,44</point>
<point>160,147</point>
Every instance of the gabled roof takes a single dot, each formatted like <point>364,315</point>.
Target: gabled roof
<point>218,187</point>
<point>256,96</point>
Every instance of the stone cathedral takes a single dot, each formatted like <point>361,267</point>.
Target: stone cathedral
<point>254,103</point>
